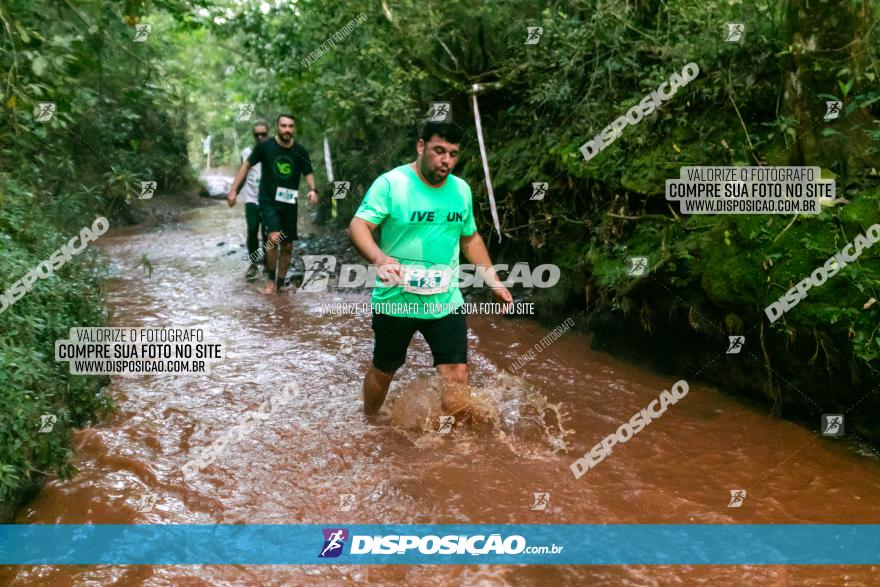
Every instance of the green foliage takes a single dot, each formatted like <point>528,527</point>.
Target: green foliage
<point>33,383</point>
<point>596,58</point>
<point>117,123</point>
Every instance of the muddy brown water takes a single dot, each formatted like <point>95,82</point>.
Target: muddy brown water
<point>293,468</point>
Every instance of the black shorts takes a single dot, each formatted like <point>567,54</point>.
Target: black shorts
<point>447,337</point>
<point>279,217</point>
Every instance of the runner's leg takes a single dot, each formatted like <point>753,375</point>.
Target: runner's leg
<point>447,337</point>
<point>376,384</point>
<point>252,219</point>
<point>456,394</point>
<point>392,338</point>
<point>284,263</point>
<point>265,237</point>
<point>272,260</point>
<point>275,272</point>
<point>288,216</point>
<point>272,223</point>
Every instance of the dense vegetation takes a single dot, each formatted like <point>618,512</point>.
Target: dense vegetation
<point>757,102</point>
<point>115,124</point>
<point>128,112</point>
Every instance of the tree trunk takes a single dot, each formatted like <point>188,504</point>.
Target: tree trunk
<point>828,45</point>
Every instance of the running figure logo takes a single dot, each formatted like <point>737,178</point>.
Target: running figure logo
<point>340,188</point>
<point>346,344</point>
<point>140,32</point>
<point>832,109</point>
<point>334,542</point>
<point>319,268</point>
<point>244,111</point>
<point>636,266</point>
<point>735,32</point>
<point>737,497</point>
<point>47,423</point>
<point>346,502</point>
<point>534,34</point>
<point>832,424</point>
<point>146,503</point>
<point>148,188</point>
<point>539,190</point>
<point>441,112</point>
<point>736,344</point>
<point>446,424</point>
<point>45,111</point>
<point>541,501</point>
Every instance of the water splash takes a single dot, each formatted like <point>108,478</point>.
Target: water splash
<point>506,406</point>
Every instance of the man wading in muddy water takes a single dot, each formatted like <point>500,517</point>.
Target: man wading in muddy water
<point>282,161</point>
<point>251,189</point>
<point>426,214</point>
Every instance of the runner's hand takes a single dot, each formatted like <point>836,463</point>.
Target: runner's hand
<point>313,198</point>
<point>230,198</point>
<point>388,271</point>
<point>502,295</point>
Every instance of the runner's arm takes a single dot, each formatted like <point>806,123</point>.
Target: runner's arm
<point>245,153</point>
<point>474,250</point>
<point>233,189</point>
<point>361,233</point>
<point>310,181</point>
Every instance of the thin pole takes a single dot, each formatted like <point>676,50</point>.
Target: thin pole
<point>485,163</point>
<point>328,162</point>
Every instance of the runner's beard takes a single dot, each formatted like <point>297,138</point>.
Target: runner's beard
<point>434,176</point>
<point>285,137</point>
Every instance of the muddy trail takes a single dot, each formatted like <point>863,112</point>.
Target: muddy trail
<point>294,467</point>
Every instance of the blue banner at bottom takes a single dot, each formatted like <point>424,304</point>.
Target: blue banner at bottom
<point>591,544</point>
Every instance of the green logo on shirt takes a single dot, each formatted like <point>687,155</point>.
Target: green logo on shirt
<point>284,166</point>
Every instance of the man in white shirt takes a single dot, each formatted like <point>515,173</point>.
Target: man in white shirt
<point>250,190</point>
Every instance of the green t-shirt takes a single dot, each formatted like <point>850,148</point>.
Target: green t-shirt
<point>421,227</point>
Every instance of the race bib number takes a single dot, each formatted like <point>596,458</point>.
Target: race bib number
<point>286,195</point>
<point>419,280</point>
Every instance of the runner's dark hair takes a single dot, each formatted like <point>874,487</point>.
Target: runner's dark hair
<point>448,131</point>
<point>285,115</point>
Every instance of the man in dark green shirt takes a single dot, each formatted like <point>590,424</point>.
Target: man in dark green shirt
<point>282,161</point>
